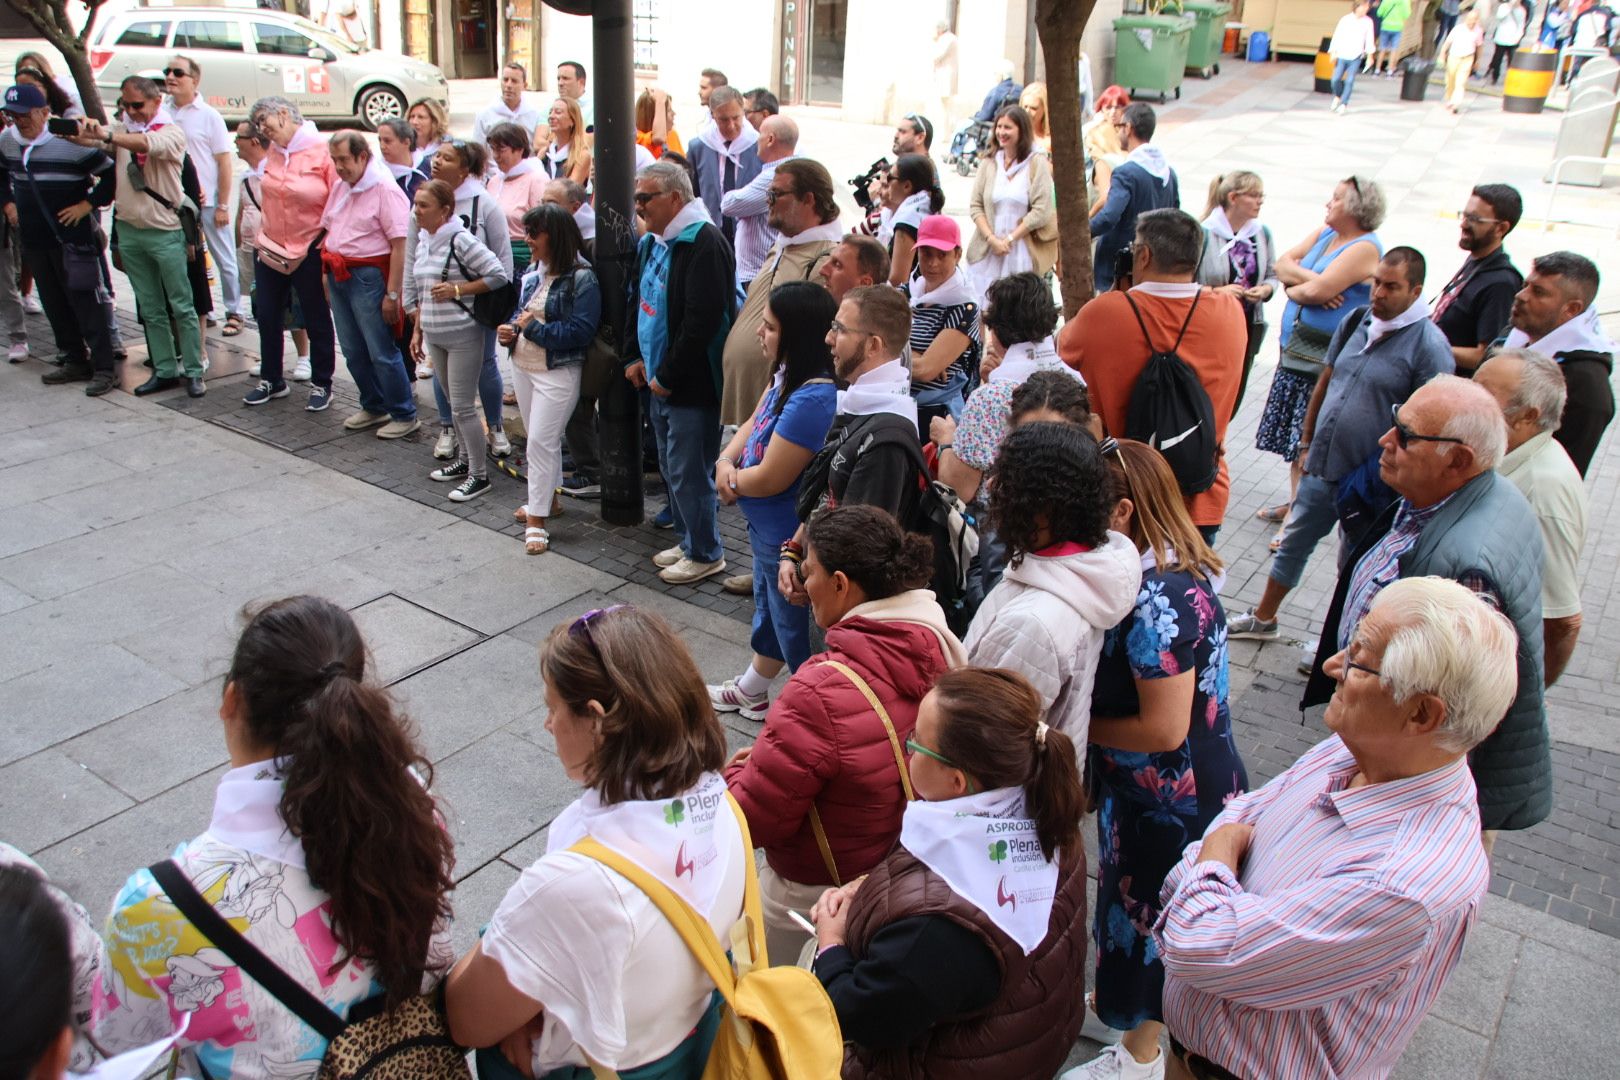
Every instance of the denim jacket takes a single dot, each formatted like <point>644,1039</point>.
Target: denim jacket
<point>573,315</point>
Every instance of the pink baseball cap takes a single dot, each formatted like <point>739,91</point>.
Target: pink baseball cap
<point>939,231</point>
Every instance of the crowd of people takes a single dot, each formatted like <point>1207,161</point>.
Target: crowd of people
<point>984,547</point>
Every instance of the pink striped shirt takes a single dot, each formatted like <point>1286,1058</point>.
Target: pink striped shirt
<point>1349,916</point>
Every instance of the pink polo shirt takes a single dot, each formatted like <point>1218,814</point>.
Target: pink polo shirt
<point>518,195</point>
<point>295,189</point>
<point>364,225</point>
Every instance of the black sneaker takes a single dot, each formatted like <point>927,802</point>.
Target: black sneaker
<point>470,489</point>
<point>67,373</point>
<point>581,486</point>
<point>456,470</point>
<point>100,383</point>
<point>265,391</point>
<point>319,398</point>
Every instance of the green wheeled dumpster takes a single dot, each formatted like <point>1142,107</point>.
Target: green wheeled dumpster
<point>1150,53</point>
<point>1204,44</point>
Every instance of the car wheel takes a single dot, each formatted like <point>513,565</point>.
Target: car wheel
<point>378,104</point>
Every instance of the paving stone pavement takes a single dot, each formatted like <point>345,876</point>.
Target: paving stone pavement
<point>135,531</point>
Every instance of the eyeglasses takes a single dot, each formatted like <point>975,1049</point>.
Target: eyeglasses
<point>772,194</point>
<point>1405,435</point>
<point>582,625</point>
<point>645,197</point>
<point>1474,219</point>
<point>918,748</point>
<point>1351,665</point>
<point>131,106</point>
<point>179,73</point>
<point>840,328</point>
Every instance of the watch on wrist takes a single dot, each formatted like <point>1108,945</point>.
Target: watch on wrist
<point>390,296</point>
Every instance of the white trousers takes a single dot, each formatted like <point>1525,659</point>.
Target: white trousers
<point>546,400</point>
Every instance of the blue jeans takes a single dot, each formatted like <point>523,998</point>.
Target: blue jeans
<point>489,389</point>
<point>1344,78</point>
<point>368,344</point>
<point>952,395</point>
<point>688,438</point>
<point>781,629</point>
<point>1312,517</point>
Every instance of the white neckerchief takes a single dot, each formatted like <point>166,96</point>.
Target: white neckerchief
<point>428,151</point>
<point>522,168</point>
<point>161,118</point>
<point>955,289</point>
<point>342,191</point>
<point>1015,168</point>
<point>828,233</point>
<point>469,190</point>
<point>671,839</point>
<point>400,170</point>
<point>884,389</point>
<point>247,813</point>
<point>1024,359</point>
<point>558,154</point>
<point>433,250</point>
<point>1151,158</point>
<point>585,217</point>
<point>1219,225</point>
<point>506,113</point>
<point>711,137</point>
<point>1170,290</point>
<point>1580,334</point>
<point>692,211</point>
<point>910,212</point>
<point>1379,328</point>
<point>28,145</point>
<point>885,228</point>
<point>305,137</point>
<point>1150,563</point>
<point>988,852</point>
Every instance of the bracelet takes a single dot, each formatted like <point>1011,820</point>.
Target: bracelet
<point>946,447</point>
<point>457,287</point>
<point>788,556</point>
<point>792,547</point>
<point>725,459</point>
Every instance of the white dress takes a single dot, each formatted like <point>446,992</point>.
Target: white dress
<point>1009,201</point>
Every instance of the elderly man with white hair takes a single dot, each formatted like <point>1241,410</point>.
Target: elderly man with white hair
<point>749,205</point>
<point>1458,518</point>
<point>1531,390</point>
<point>1319,918</point>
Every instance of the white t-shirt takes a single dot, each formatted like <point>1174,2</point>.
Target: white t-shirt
<point>528,116</point>
<point>205,137</point>
<point>611,971</point>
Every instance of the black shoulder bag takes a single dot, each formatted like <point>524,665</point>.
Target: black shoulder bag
<point>490,309</point>
<point>81,261</point>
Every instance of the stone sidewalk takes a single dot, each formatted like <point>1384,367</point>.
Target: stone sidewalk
<point>134,532</point>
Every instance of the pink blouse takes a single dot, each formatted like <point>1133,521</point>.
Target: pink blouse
<point>295,188</point>
<point>519,195</point>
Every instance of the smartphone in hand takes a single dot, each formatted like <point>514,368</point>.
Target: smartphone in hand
<point>62,125</point>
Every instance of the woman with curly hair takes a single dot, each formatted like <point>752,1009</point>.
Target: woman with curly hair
<point>1068,578</point>
<point>1162,760</point>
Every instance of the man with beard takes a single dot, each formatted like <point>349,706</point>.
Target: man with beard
<point>1475,304</point>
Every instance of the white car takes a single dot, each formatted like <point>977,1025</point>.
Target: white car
<point>249,53</point>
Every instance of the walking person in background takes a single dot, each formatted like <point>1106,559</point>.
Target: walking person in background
<point>1240,257</point>
<point>759,472</point>
<point>1012,201</point>
<point>1392,16</point>
<point>449,267</point>
<point>519,185</point>
<point>559,312</point>
<point>1447,12</point>
<point>364,259</point>
<point>296,185</point>
<point>1459,53</point>
<point>1507,36</point>
<point>209,147</point>
<point>1353,43</point>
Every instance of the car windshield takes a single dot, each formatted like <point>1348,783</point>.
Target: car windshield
<point>335,42</point>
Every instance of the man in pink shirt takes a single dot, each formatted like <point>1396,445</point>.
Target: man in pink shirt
<point>364,260</point>
<point>1310,930</point>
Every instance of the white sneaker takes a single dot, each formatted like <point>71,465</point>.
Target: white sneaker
<point>1116,1063</point>
<point>1094,1029</point>
<point>18,352</point>
<point>1307,656</point>
<point>254,370</point>
<point>31,304</point>
<point>424,371</point>
<point>690,571</point>
<point>669,556</point>
<point>301,372</point>
<point>445,447</point>
<point>499,444</point>
<point>728,697</point>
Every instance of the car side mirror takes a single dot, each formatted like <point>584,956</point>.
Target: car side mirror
<point>322,53</point>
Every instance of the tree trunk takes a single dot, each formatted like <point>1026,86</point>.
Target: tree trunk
<point>1060,24</point>
<point>50,18</point>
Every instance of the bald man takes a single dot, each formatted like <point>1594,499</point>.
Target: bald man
<point>778,141</point>
<point>1458,518</point>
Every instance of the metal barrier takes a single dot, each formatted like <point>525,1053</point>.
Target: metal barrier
<point>1585,132</point>
<point>1558,178</point>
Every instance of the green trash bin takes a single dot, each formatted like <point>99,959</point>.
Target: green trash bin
<point>1150,52</point>
<point>1204,44</point>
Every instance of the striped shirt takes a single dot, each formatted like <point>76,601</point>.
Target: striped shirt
<point>1350,914</point>
<point>46,177</point>
<point>928,321</point>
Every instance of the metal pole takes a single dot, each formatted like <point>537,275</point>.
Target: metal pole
<point>619,409</point>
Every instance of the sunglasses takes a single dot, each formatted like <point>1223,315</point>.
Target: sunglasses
<point>1405,435</point>
<point>645,197</point>
<point>179,73</point>
<point>131,106</point>
<point>581,626</point>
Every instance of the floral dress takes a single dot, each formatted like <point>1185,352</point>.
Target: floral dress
<point>1151,806</point>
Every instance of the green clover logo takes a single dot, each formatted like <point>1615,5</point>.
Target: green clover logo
<point>998,851</point>
<point>674,813</point>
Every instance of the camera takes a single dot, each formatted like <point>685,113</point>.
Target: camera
<point>863,197</point>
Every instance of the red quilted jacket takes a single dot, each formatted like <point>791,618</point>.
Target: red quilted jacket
<point>823,744</point>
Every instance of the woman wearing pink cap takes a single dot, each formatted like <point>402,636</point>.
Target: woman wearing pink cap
<point>945,343</point>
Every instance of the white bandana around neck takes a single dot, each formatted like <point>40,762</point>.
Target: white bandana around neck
<point>1583,333</point>
<point>1151,158</point>
<point>1381,328</point>
<point>585,217</point>
<point>556,155</point>
<point>884,389</point>
<point>1015,168</point>
<point>674,840</point>
<point>247,813</point>
<point>469,190</point>
<point>343,191</point>
<point>160,119</point>
<point>522,168</point>
<point>399,170</point>
<point>433,251</point>
<point>28,145</point>
<point>911,211</point>
<point>715,141</point>
<point>1221,227</point>
<point>955,289</point>
<point>305,137</point>
<point>885,227</point>
<point>988,852</point>
<point>1024,359</point>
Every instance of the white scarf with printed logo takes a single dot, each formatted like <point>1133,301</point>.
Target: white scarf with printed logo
<point>674,840</point>
<point>1024,359</point>
<point>987,851</point>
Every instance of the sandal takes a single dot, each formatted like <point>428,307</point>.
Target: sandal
<point>509,398</point>
<point>1273,513</point>
<point>536,541</point>
<point>1276,543</point>
<point>521,514</point>
<point>234,325</point>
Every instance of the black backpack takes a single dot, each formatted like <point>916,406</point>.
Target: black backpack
<point>490,309</point>
<point>1170,411</point>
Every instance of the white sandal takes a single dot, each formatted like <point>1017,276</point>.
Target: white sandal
<point>536,541</point>
<point>521,514</point>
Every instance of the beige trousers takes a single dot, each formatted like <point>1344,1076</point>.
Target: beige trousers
<point>784,938</point>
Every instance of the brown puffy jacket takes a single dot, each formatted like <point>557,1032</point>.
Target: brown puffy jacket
<point>1030,1028</point>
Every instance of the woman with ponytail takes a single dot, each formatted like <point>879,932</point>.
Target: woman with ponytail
<point>967,944</point>
<point>1162,759</point>
<point>578,966</point>
<point>911,194</point>
<point>325,851</point>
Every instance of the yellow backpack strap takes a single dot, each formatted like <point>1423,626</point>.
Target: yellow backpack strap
<point>753,910</point>
<point>883,715</point>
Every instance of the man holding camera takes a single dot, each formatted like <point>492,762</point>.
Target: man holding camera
<point>51,189</point>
